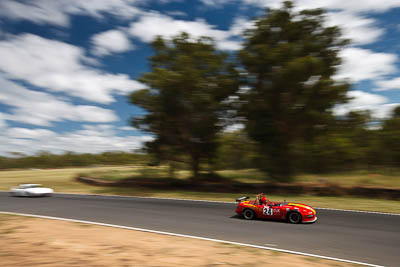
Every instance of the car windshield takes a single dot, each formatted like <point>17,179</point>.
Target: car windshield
<point>24,186</point>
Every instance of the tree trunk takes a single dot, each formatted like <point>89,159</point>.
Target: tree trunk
<point>195,167</point>
<point>171,170</point>
<point>281,167</point>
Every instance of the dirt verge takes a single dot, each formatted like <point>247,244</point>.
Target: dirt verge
<point>42,242</point>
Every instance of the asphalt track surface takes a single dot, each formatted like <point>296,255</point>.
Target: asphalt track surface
<point>363,237</point>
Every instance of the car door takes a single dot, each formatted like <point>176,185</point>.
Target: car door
<point>271,212</point>
<point>267,211</point>
<point>17,192</point>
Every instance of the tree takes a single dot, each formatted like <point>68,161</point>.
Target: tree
<point>289,59</point>
<point>354,127</point>
<point>391,138</point>
<point>236,151</point>
<point>185,101</point>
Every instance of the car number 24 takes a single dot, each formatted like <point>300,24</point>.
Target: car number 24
<point>267,210</point>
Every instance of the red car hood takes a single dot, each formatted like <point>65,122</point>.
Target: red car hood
<point>300,205</point>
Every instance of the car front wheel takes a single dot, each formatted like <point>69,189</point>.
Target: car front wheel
<point>294,217</point>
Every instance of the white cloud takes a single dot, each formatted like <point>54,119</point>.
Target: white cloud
<point>393,84</point>
<point>25,133</point>
<point>216,3</point>
<point>96,130</point>
<point>92,114</point>
<point>90,139</point>
<point>362,64</point>
<point>40,108</point>
<point>240,24</point>
<point>350,16</point>
<point>229,45</point>
<point>359,29</point>
<point>385,111</point>
<point>112,41</point>
<point>153,24</point>
<point>264,3</point>
<point>357,6</point>
<point>58,12</point>
<point>58,66</point>
<point>377,104</point>
<point>353,6</point>
<point>3,123</point>
<point>127,128</point>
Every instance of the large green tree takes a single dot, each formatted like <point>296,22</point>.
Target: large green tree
<point>186,99</point>
<point>289,59</point>
<point>391,139</point>
<point>236,151</point>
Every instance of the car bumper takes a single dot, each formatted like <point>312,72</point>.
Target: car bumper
<point>311,221</point>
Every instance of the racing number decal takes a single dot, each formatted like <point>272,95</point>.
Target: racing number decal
<point>267,210</point>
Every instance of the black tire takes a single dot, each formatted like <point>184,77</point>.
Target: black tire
<point>249,214</point>
<point>294,217</point>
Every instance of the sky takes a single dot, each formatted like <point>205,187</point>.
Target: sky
<point>67,66</point>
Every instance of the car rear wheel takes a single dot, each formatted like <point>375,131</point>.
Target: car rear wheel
<point>249,214</point>
<point>294,217</point>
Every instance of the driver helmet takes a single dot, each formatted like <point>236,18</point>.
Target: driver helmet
<point>263,199</point>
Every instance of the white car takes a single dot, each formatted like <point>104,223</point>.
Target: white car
<point>31,190</point>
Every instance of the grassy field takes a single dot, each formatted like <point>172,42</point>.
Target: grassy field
<point>62,180</point>
<point>357,178</point>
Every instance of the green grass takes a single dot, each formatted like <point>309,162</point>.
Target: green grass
<point>8,178</point>
<point>244,176</point>
<point>358,178</point>
<point>62,180</point>
<point>142,172</point>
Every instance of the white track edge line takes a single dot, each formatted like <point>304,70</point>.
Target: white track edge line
<point>192,237</point>
<point>216,201</point>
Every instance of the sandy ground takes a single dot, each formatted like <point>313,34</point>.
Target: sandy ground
<point>40,242</point>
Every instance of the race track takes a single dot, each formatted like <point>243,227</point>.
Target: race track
<point>363,237</point>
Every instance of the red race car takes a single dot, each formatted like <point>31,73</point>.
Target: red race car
<point>262,208</point>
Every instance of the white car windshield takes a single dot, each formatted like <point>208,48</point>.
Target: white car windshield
<point>25,186</point>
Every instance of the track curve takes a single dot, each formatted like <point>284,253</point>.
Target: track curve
<point>364,237</point>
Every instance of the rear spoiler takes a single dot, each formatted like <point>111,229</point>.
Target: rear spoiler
<point>240,199</point>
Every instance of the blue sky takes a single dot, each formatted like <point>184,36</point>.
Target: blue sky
<point>66,66</point>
